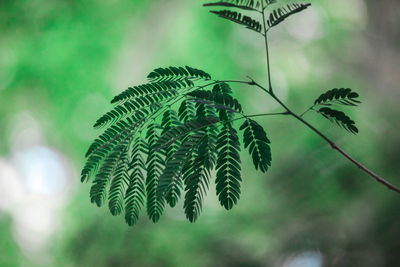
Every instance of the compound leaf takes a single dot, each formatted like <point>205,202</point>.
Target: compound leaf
<point>177,74</point>
<point>241,19</point>
<point>228,167</point>
<point>155,165</point>
<point>343,96</point>
<point>136,192</point>
<point>181,131</point>
<point>255,138</point>
<point>340,118</point>
<point>278,15</point>
<point>118,186</point>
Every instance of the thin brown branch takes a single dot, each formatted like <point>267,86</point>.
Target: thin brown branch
<point>333,145</point>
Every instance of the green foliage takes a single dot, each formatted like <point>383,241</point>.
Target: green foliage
<point>216,99</point>
<point>98,191</point>
<point>242,4</point>
<point>228,167</point>
<point>136,193</point>
<point>168,187</point>
<point>182,130</point>
<point>280,14</point>
<point>251,5</point>
<point>239,18</point>
<point>118,186</point>
<point>195,136</point>
<point>188,119</point>
<point>177,74</point>
<point>151,89</point>
<point>343,96</point>
<point>256,140</point>
<point>155,165</point>
<point>341,119</point>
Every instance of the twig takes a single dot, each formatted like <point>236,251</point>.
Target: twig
<point>333,145</point>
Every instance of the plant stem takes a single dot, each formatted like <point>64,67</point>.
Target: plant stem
<point>299,117</point>
<point>266,48</point>
<point>331,143</point>
<point>302,114</point>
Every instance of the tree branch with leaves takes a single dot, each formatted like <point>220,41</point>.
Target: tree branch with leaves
<point>165,137</point>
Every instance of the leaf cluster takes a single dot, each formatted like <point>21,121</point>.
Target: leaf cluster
<point>164,139</point>
<point>337,97</point>
<point>269,17</point>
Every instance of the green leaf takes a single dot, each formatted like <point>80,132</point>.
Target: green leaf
<point>155,166</point>
<point>225,89</point>
<point>98,191</point>
<point>104,144</point>
<point>228,167</point>
<point>196,179</point>
<point>340,118</point>
<point>343,96</point>
<point>118,186</point>
<point>131,108</point>
<point>278,15</point>
<point>187,110</point>
<point>166,182</point>
<point>210,139</point>
<point>250,5</point>
<point>170,183</point>
<point>256,140</point>
<point>150,89</point>
<point>239,18</point>
<point>177,74</point>
<point>242,4</point>
<point>136,193</point>
<point>217,99</point>
<point>181,131</point>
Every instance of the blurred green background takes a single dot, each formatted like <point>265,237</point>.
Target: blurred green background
<point>62,61</point>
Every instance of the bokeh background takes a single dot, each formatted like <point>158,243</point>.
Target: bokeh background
<point>62,61</point>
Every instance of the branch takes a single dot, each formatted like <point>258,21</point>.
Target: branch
<point>266,47</point>
<point>333,145</point>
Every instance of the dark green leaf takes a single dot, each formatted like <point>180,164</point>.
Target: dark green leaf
<point>155,166</point>
<point>228,167</point>
<point>343,96</point>
<point>177,74</point>
<point>341,119</point>
<point>280,14</point>
<point>256,140</point>
<point>239,18</point>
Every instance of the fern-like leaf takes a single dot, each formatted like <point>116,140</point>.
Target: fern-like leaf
<point>118,187</point>
<point>136,192</point>
<point>280,14</point>
<point>106,142</point>
<point>155,166</point>
<point>340,118</point>
<point>242,4</point>
<point>166,184</point>
<point>256,140</point>
<point>228,167</point>
<point>225,89</point>
<point>98,191</point>
<point>216,99</point>
<point>177,74</point>
<point>151,89</point>
<point>196,178</point>
<point>210,139</point>
<point>342,96</point>
<point>137,107</point>
<point>181,131</point>
<point>239,18</point>
<point>171,180</point>
<point>187,110</point>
